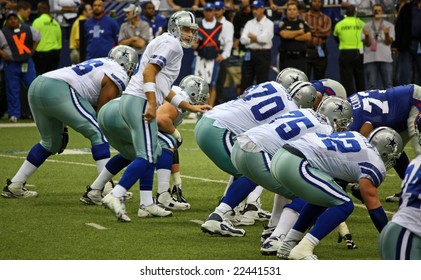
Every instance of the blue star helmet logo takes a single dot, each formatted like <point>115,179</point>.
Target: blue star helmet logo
<point>391,142</point>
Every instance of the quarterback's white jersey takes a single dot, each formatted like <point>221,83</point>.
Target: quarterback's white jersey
<point>259,104</point>
<point>86,77</point>
<point>272,136</point>
<point>343,155</point>
<point>166,52</point>
<point>409,212</point>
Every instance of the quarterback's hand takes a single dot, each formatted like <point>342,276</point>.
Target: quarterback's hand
<point>200,108</point>
<point>150,113</point>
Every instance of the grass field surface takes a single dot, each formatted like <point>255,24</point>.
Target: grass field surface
<point>56,226</point>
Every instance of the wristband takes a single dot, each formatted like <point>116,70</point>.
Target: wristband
<point>176,100</point>
<point>149,87</point>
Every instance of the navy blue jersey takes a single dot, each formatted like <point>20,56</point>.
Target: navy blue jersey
<point>382,107</point>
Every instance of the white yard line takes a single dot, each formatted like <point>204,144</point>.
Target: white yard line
<point>97,226</point>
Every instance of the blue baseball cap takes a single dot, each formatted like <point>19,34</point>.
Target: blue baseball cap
<point>258,4</point>
<point>209,6</point>
<point>219,5</point>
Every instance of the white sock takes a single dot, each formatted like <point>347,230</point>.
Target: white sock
<point>223,207</point>
<point>118,191</point>
<point>278,206</point>
<point>146,198</point>
<point>286,222</point>
<point>100,164</point>
<point>294,235</point>
<point>163,176</point>
<point>176,178</point>
<point>311,239</point>
<point>100,181</point>
<point>254,195</point>
<point>343,229</point>
<point>24,172</point>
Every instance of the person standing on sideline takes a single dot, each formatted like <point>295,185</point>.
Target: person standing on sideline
<point>84,12</point>
<point>17,57</point>
<point>226,47</point>
<point>47,54</point>
<point>257,38</point>
<point>24,11</point>
<point>157,23</point>
<point>101,32</point>
<point>378,37</point>
<point>295,34</point>
<point>321,27</point>
<point>351,68</point>
<point>67,96</point>
<point>156,72</point>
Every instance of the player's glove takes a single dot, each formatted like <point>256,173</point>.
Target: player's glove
<point>355,190</point>
<point>350,244</point>
<point>64,140</point>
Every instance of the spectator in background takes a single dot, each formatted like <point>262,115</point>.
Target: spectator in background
<point>408,37</point>
<point>84,12</point>
<point>206,63</point>
<point>321,27</point>
<point>47,55</point>
<point>18,63</point>
<point>134,32</point>
<point>226,47</point>
<point>178,5</point>
<point>257,38</point>
<point>378,36</point>
<point>295,34</point>
<point>101,32</point>
<point>349,34</point>
<point>157,23</point>
<point>24,11</point>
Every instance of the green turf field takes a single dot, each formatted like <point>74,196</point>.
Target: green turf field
<point>57,226</point>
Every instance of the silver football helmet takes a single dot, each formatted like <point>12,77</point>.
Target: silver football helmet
<point>182,19</point>
<point>125,56</point>
<point>388,144</point>
<point>303,94</point>
<point>332,88</point>
<point>290,75</point>
<point>337,110</point>
<point>197,89</point>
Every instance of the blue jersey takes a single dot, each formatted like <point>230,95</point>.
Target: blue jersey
<point>382,107</point>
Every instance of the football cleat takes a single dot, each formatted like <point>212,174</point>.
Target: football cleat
<point>166,201</point>
<point>237,219</point>
<point>177,193</point>
<point>17,190</point>
<point>109,186</point>
<point>152,210</point>
<point>267,232</point>
<point>271,246</point>
<point>348,241</point>
<point>218,223</point>
<point>285,248</point>
<point>393,198</point>
<point>91,197</point>
<point>254,211</point>
<point>300,252</point>
<point>116,205</point>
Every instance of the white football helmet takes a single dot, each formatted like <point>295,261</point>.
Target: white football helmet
<point>337,110</point>
<point>125,56</point>
<point>388,144</point>
<point>182,19</point>
<point>290,75</point>
<point>329,87</point>
<point>303,94</point>
<point>197,89</point>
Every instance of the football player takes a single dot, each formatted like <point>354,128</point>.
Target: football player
<point>67,97</point>
<point>309,166</point>
<point>150,85</point>
<point>395,107</point>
